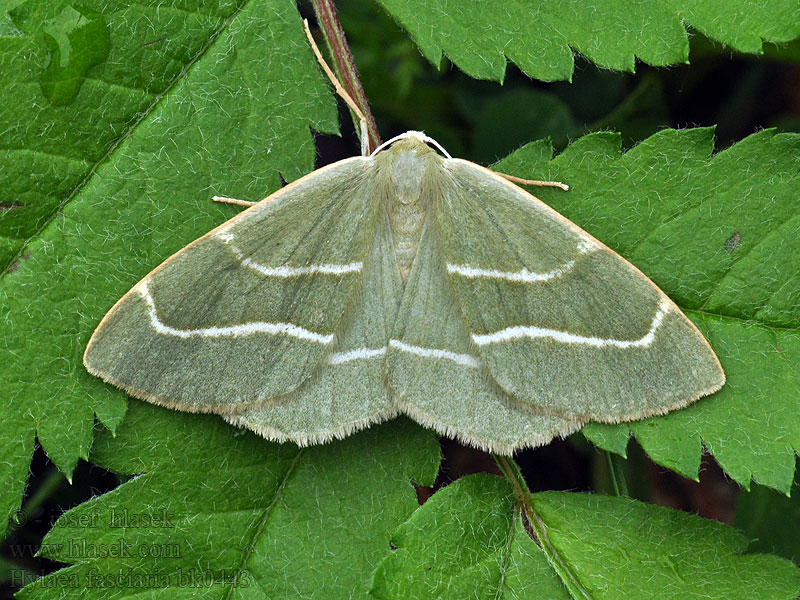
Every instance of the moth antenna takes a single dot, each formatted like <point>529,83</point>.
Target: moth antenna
<point>225,200</point>
<point>364,136</point>
<point>413,134</point>
<point>362,120</point>
<point>536,182</point>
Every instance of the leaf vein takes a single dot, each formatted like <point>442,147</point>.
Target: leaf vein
<point>260,527</point>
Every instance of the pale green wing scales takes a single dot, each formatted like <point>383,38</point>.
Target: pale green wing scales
<point>348,393</point>
<point>249,311</point>
<point>403,282</point>
<point>438,378</point>
<point>562,323</point>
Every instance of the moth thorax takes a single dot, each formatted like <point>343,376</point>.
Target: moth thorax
<point>407,221</point>
<point>408,205</point>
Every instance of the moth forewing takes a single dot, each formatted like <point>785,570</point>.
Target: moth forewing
<point>247,312</point>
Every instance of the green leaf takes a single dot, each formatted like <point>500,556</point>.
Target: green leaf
<point>213,506</point>
<point>469,538</point>
<point>720,236</point>
<point>541,37</point>
<point>189,101</point>
<point>613,438</point>
<point>17,439</point>
<point>771,520</point>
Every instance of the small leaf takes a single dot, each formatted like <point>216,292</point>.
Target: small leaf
<point>468,540</point>
<point>613,438</point>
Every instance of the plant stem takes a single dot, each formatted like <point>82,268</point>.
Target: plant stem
<point>345,66</point>
<point>509,468</point>
<point>536,526</point>
<point>618,482</point>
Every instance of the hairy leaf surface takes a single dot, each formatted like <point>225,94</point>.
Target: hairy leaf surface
<point>469,539</point>
<point>228,515</point>
<point>540,37</point>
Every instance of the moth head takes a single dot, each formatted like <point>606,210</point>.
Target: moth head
<point>409,162</point>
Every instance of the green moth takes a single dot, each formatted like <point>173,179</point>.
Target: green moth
<point>404,282</point>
